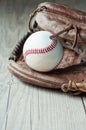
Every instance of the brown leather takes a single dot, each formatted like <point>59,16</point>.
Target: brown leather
<point>54,79</point>
<point>70,74</point>
<point>55,18</point>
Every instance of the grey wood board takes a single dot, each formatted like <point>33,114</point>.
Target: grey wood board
<point>24,106</point>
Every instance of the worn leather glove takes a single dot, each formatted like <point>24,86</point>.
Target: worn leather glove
<point>69,25</point>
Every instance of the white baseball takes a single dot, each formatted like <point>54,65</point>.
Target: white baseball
<point>42,53</point>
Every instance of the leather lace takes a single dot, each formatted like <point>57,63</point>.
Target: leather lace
<point>74,87</point>
<point>68,28</point>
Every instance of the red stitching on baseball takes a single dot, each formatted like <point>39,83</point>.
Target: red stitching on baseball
<point>42,50</point>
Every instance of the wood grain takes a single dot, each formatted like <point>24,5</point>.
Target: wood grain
<point>26,107</point>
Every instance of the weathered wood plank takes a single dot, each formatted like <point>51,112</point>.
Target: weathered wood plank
<point>32,108</point>
<point>23,106</point>
<point>62,111</point>
<point>4,73</point>
<point>4,92</point>
<point>84,102</point>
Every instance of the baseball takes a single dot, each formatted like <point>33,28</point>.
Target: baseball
<point>42,53</point>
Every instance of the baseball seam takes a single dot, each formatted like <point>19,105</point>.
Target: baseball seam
<point>41,50</point>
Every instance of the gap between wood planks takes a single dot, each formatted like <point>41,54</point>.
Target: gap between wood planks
<point>8,100</point>
<point>83,103</point>
<point>9,84</point>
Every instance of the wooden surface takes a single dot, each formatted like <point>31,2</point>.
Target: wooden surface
<point>22,106</point>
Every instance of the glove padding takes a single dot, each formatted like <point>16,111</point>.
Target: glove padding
<point>70,26</point>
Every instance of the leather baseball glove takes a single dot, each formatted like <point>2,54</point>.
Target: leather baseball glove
<point>68,24</point>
